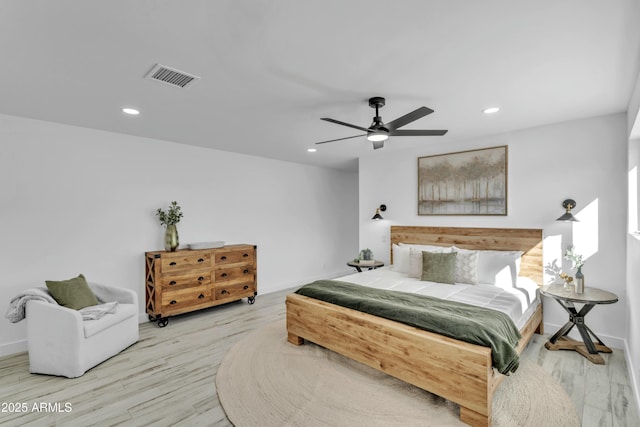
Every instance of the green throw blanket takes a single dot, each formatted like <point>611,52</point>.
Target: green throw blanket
<point>476,325</point>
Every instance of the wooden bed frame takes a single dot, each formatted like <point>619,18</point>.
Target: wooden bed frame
<point>453,369</point>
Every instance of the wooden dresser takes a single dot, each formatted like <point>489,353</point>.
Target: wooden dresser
<point>188,280</point>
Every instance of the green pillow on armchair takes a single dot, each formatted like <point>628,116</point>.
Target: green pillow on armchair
<point>73,293</point>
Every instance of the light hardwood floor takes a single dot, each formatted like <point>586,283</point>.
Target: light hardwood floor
<point>168,377</point>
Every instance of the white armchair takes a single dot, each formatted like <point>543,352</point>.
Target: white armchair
<point>61,343</point>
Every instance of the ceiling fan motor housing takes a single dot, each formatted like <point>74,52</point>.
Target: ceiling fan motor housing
<point>377,124</point>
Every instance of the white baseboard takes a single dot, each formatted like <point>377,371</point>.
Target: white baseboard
<point>631,368</point>
<point>13,348</point>
<point>310,279</point>
<point>293,285</point>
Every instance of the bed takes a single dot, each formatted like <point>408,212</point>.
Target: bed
<point>455,370</point>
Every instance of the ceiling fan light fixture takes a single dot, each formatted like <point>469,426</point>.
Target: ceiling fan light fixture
<point>377,135</point>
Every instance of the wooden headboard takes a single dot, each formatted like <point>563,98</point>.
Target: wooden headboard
<point>528,240</point>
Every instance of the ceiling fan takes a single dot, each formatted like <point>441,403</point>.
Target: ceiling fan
<point>379,131</point>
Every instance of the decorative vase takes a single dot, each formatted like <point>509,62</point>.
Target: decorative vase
<point>171,240</point>
<point>579,281</point>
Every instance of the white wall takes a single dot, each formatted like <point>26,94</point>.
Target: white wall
<point>76,200</point>
<point>585,160</point>
<point>633,242</point>
<point>633,276</point>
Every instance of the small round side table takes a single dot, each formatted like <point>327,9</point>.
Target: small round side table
<point>590,298</point>
<point>359,266</point>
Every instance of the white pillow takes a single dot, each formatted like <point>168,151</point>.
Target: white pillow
<point>497,267</point>
<point>428,248</point>
<point>466,270</point>
<point>400,258</point>
<point>415,257</point>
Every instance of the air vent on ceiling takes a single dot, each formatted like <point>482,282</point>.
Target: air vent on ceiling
<point>171,76</point>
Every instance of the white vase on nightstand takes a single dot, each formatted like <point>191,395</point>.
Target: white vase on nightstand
<point>579,281</point>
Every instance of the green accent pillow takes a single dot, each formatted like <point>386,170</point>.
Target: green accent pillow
<point>438,267</point>
<point>73,293</point>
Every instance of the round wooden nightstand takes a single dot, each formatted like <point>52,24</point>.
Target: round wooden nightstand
<point>359,266</point>
<point>590,298</point>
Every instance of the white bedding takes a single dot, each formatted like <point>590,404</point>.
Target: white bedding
<point>518,302</point>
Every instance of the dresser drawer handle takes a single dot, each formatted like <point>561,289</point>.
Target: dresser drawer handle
<point>173,302</point>
<point>246,287</point>
<point>200,260</point>
<point>200,296</point>
<point>223,275</point>
<point>246,272</point>
<point>173,282</point>
<point>172,263</point>
<point>245,255</point>
<point>224,291</point>
<point>223,258</point>
<point>200,279</point>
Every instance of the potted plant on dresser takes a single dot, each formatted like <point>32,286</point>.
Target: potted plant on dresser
<point>168,220</point>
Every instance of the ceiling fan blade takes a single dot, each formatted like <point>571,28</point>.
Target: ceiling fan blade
<point>339,139</point>
<point>377,144</point>
<point>408,118</point>
<point>417,132</point>
<point>338,122</point>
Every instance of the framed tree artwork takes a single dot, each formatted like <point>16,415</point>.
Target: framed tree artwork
<point>464,183</point>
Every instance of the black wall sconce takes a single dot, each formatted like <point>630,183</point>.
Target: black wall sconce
<point>377,216</point>
<point>568,216</point>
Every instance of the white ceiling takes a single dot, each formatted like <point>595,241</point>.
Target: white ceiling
<point>270,69</point>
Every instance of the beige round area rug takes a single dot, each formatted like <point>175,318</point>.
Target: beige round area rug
<point>266,381</point>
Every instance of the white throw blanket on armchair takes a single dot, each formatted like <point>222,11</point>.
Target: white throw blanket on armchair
<point>17,307</point>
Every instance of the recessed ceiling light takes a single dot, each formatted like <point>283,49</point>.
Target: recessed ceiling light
<point>491,110</point>
<point>311,150</point>
<point>131,111</point>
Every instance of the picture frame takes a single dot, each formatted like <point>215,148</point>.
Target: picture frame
<point>472,182</point>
